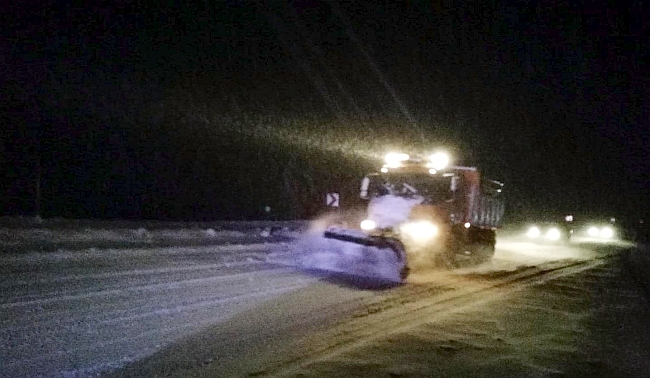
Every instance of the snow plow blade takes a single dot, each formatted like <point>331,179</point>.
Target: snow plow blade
<point>358,237</point>
<point>361,238</point>
<point>355,236</point>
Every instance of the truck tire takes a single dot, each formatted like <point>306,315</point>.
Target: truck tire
<point>446,259</point>
<point>472,254</point>
<point>483,253</point>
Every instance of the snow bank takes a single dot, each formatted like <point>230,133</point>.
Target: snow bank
<point>77,235</point>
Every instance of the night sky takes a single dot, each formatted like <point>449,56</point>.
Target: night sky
<point>217,109</point>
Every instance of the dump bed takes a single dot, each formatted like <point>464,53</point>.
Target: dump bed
<point>479,201</point>
<point>487,211</point>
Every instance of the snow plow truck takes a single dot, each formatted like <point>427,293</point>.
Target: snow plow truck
<point>426,213</point>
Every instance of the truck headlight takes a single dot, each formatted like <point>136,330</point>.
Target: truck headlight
<point>394,160</point>
<point>533,232</point>
<point>420,230</point>
<point>439,160</point>
<point>593,232</point>
<point>368,225</point>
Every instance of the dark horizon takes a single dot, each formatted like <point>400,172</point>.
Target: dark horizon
<point>216,111</point>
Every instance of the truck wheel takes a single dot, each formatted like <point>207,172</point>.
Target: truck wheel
<point>446,259</point>
<point>474,254</point>
<point>482,253</point>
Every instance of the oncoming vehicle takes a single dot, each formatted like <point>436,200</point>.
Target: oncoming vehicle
<point>568,230</point>
<point>599,232</point>
<point>426,212</point>
<point>548,232</point>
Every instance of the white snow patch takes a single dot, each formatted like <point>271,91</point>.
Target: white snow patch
<point>142,232</point>
<point>98,369</point>
<point>390,211</point>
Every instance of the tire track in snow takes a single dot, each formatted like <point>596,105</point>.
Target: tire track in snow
<point>220,300</point>
<point>163,331</point>
<point>99,313</point>
<point>125,284</point>
<point>91,254</point>
<point>134,272</point>
<point>59,313</point>
<point>46,297</point>
<point>77,313</point>
<point>156,333</point>
<point>131,289</point>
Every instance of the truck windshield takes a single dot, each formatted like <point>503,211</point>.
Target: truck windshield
<point>434,188</point>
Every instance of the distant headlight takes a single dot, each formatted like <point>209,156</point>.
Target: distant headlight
<point>593,231</point>
<point>368,225</point>
<point>606,233</point>
<point>533,232</point>
<point>421,230</point>
<point>553,234</point>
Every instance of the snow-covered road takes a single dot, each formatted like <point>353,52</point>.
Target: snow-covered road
<point>260,308</point>
<point>537,311</point>
<point>79,313</point>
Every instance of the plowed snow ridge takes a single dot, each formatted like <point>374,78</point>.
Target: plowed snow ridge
<point>414,310</point>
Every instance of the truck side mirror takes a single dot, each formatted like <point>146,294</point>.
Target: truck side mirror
<point>454,183</point>
<point>365,183</point>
